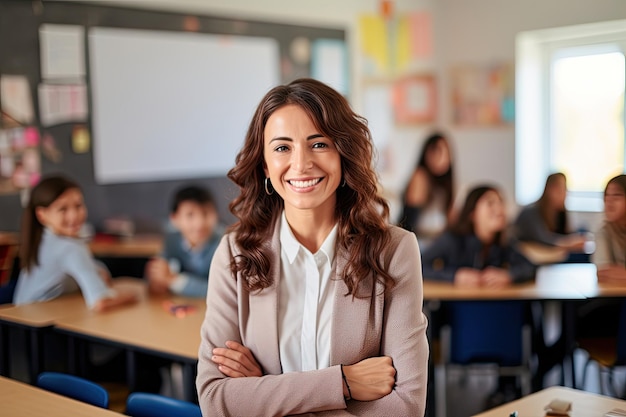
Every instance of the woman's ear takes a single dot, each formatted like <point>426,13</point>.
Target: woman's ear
<point>41,213</point>
<point>265,170</point>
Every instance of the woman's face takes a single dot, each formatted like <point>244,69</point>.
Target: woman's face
<point>557,191</point>
<point>489,216</point>
<point>303,165</point>
<point>438,158</point>
<point>615,203</point>
<point>66,215</point>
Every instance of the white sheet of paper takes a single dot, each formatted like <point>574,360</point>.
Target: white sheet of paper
<point>16,99</point>
<point>62,103</point>
<point>62,49</point>
<point>329,64</point>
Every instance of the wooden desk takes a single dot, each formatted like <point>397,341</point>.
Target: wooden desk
<point>37,317</point>
<point>22,400</point>
<point>584,404</point>
<point>140,246</point>
<point>552,282</point>
<point>145,327</point>
<point>564,283</point>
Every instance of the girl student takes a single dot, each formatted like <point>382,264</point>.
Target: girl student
<point>55,261</point>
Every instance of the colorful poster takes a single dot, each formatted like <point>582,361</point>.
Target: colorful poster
<point>20,159</point>
<point>483,95</point>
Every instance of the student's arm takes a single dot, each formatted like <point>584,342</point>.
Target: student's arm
<point>190,285</point>
<point>79,265</point>
<point>520,268</point>
<point>436,259</point>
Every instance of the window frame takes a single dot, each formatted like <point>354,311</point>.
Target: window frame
<point>535,52</point>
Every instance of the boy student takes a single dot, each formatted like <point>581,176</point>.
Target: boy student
<point>183,267</point>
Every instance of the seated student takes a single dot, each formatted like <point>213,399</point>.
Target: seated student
<point>54,260</point>
<point>183,267</point>
<point>599,318</point>
<point>428,198</point>
<point>546,222</point>
<point>610,252</point>
<point>473,251</point>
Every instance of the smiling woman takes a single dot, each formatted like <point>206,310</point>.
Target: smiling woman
<point>313,296</point>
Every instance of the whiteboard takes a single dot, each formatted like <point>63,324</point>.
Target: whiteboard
<point>173,105</point>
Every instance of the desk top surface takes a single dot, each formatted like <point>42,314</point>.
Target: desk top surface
<point>46,313</point>
<point>553,282</point>
<point>140,246</point>
<point>147,324</point>
<point>18,399</point>
<point>584,404</point>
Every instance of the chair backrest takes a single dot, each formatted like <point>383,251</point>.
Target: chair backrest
<point>141,404</point>
<point>487,332</point>
<point>74,387</point>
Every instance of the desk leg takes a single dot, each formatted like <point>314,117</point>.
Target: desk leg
<point>189,382</point>
<point>4,351</point>
<point>71,355</point>
<point>131,370</point>
<point>569,337</point>
<point>36,359</point>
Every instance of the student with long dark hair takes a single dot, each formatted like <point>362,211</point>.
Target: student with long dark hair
<point>546,221</point>
<point>428,198</point>
<point>54,259</point>
<point>474,251</point>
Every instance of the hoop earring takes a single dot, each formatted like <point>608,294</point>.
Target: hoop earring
<point>343,183</point>
<point>268,184</point>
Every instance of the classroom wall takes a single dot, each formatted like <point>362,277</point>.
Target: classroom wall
<point>483,31</point>
<point>475,32</point>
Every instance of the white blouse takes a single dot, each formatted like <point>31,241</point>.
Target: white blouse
<point>305,302</point>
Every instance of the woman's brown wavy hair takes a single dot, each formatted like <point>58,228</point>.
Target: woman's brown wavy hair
<point>361,212</point>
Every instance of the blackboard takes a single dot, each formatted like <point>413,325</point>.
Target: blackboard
<point>144,202</point>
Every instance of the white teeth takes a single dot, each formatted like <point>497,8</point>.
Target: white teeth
<point>304,184</point>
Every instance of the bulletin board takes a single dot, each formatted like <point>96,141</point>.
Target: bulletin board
<point>109,193</point>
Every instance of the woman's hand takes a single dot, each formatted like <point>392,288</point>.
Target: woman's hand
<point>493,277</point>
<point>236,360</point>
<point>467,278</point>
<point>371,378</point>
<point>159,275</point>
<point>122,296</point>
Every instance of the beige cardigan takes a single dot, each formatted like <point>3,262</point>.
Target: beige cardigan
<point>390,325</point>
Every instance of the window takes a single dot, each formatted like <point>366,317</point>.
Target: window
<point>570,110</point>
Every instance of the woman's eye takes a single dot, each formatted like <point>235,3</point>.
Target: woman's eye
<point>281,148</point>
<point>320,145</point>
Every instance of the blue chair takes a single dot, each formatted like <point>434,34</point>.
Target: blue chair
<point>487,336</point>
<point>141,404</point>
<point>74,387</point>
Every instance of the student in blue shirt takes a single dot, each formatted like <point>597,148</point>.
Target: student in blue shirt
<point>54,259</point>
<point>183,267</point>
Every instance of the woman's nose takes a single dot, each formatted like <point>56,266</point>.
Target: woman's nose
<point>301,160</point>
